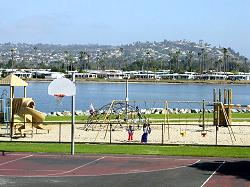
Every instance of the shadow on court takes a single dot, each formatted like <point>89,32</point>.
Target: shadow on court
<point>238,169</point>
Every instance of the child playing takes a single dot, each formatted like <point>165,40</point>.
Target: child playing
<point>130,132</point>
<point>146,131</point>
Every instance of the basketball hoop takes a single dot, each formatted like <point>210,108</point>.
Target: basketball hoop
<point>59,98</point>
<point>65,87</point>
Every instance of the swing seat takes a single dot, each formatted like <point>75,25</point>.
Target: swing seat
<point>183,133</point>
<point>203,133</point>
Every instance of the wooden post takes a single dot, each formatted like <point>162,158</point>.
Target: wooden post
<point>225,96</point>
<point>110,133</point>
<point>24,91</point>
<point>219,95</point>
<point>217,124</point>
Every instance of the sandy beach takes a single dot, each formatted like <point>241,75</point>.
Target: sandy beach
<point>185,134</point>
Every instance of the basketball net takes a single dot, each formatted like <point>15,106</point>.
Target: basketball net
<point>58,98</point>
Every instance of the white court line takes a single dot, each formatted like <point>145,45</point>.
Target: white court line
<point>137,171</point>
<point>150,157</point>
<point>77,167</point>
<point>30,170</point>
<point>15,160</point>
<point>110,156</point>
<point>213,173</point>
<point>111,174</point>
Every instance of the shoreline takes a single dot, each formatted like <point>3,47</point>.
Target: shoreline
<point>143,81</point>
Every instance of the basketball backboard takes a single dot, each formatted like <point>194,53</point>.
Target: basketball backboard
<point>62,87</point>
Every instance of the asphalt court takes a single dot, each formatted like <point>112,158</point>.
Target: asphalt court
<point>28,169</point>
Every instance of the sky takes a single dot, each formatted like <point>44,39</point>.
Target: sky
<point>224,23</point>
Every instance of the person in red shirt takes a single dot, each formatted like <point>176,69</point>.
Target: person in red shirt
<point>130,132</point>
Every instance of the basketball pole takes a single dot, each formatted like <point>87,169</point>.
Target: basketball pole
<point>73,119</point>
<point>126,99</point>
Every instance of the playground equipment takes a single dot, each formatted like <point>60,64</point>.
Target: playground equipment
<point>223,110</point>
<point>23,107</point>
<point>117,112</point>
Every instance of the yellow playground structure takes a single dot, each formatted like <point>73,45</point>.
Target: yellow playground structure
<point>19,114</point>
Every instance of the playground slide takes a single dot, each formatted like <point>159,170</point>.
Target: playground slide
<point>24,107</point>
<point>37,117</point>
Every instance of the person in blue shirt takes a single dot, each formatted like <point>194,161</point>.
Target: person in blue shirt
<point>146,131</point>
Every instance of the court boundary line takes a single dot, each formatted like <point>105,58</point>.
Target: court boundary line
<point>217,169</point>
<point>31,170</point>
<point>68,171</point>
<point>110,174</point>
<point>10,161</point>
<point>107,156</point>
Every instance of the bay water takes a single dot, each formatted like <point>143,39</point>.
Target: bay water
<point>100,94</point>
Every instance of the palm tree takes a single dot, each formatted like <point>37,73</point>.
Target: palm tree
<point>148,59</point>
<point>177,54</point>
<point>66,58</point>
<point>102,61</point>
<point>199,57</point>
<point>35,56</point>
<point>88,56</point>
<point>225,59</point>
<point>81,60</point>
<point>190,56</point>
<point>170,62</point>
<point>12,58</point>
<point>121,57</point>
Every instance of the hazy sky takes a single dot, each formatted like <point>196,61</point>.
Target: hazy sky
<point>219,22</point>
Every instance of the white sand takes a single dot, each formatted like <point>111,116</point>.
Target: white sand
<point>119,135</point>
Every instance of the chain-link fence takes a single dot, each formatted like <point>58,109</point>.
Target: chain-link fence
<point>116,133</point>
<point>171,122</point>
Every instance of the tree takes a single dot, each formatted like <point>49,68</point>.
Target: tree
<point>121,58</point>
<point>36,58</point>
<point>225,59</point>
<point>177,54</point>
<point>81,60</point>
<point>12,58</point>
<point>66,57</point>
<point>190,56</point>
<point>87,55</point>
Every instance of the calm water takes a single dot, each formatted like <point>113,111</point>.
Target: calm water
<point>103,93</point>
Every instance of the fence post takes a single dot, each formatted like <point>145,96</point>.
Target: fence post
<point>60,131</point>
<point>203,114</point>
<point>217,123</point>
<point>162,134</point>
<point>110,131</point>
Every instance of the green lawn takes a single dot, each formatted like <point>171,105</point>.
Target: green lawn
<point>201,151</point>
<point>65,118</point>
<point>235,116</point>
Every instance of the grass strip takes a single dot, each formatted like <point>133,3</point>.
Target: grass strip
<point>200,151</point>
